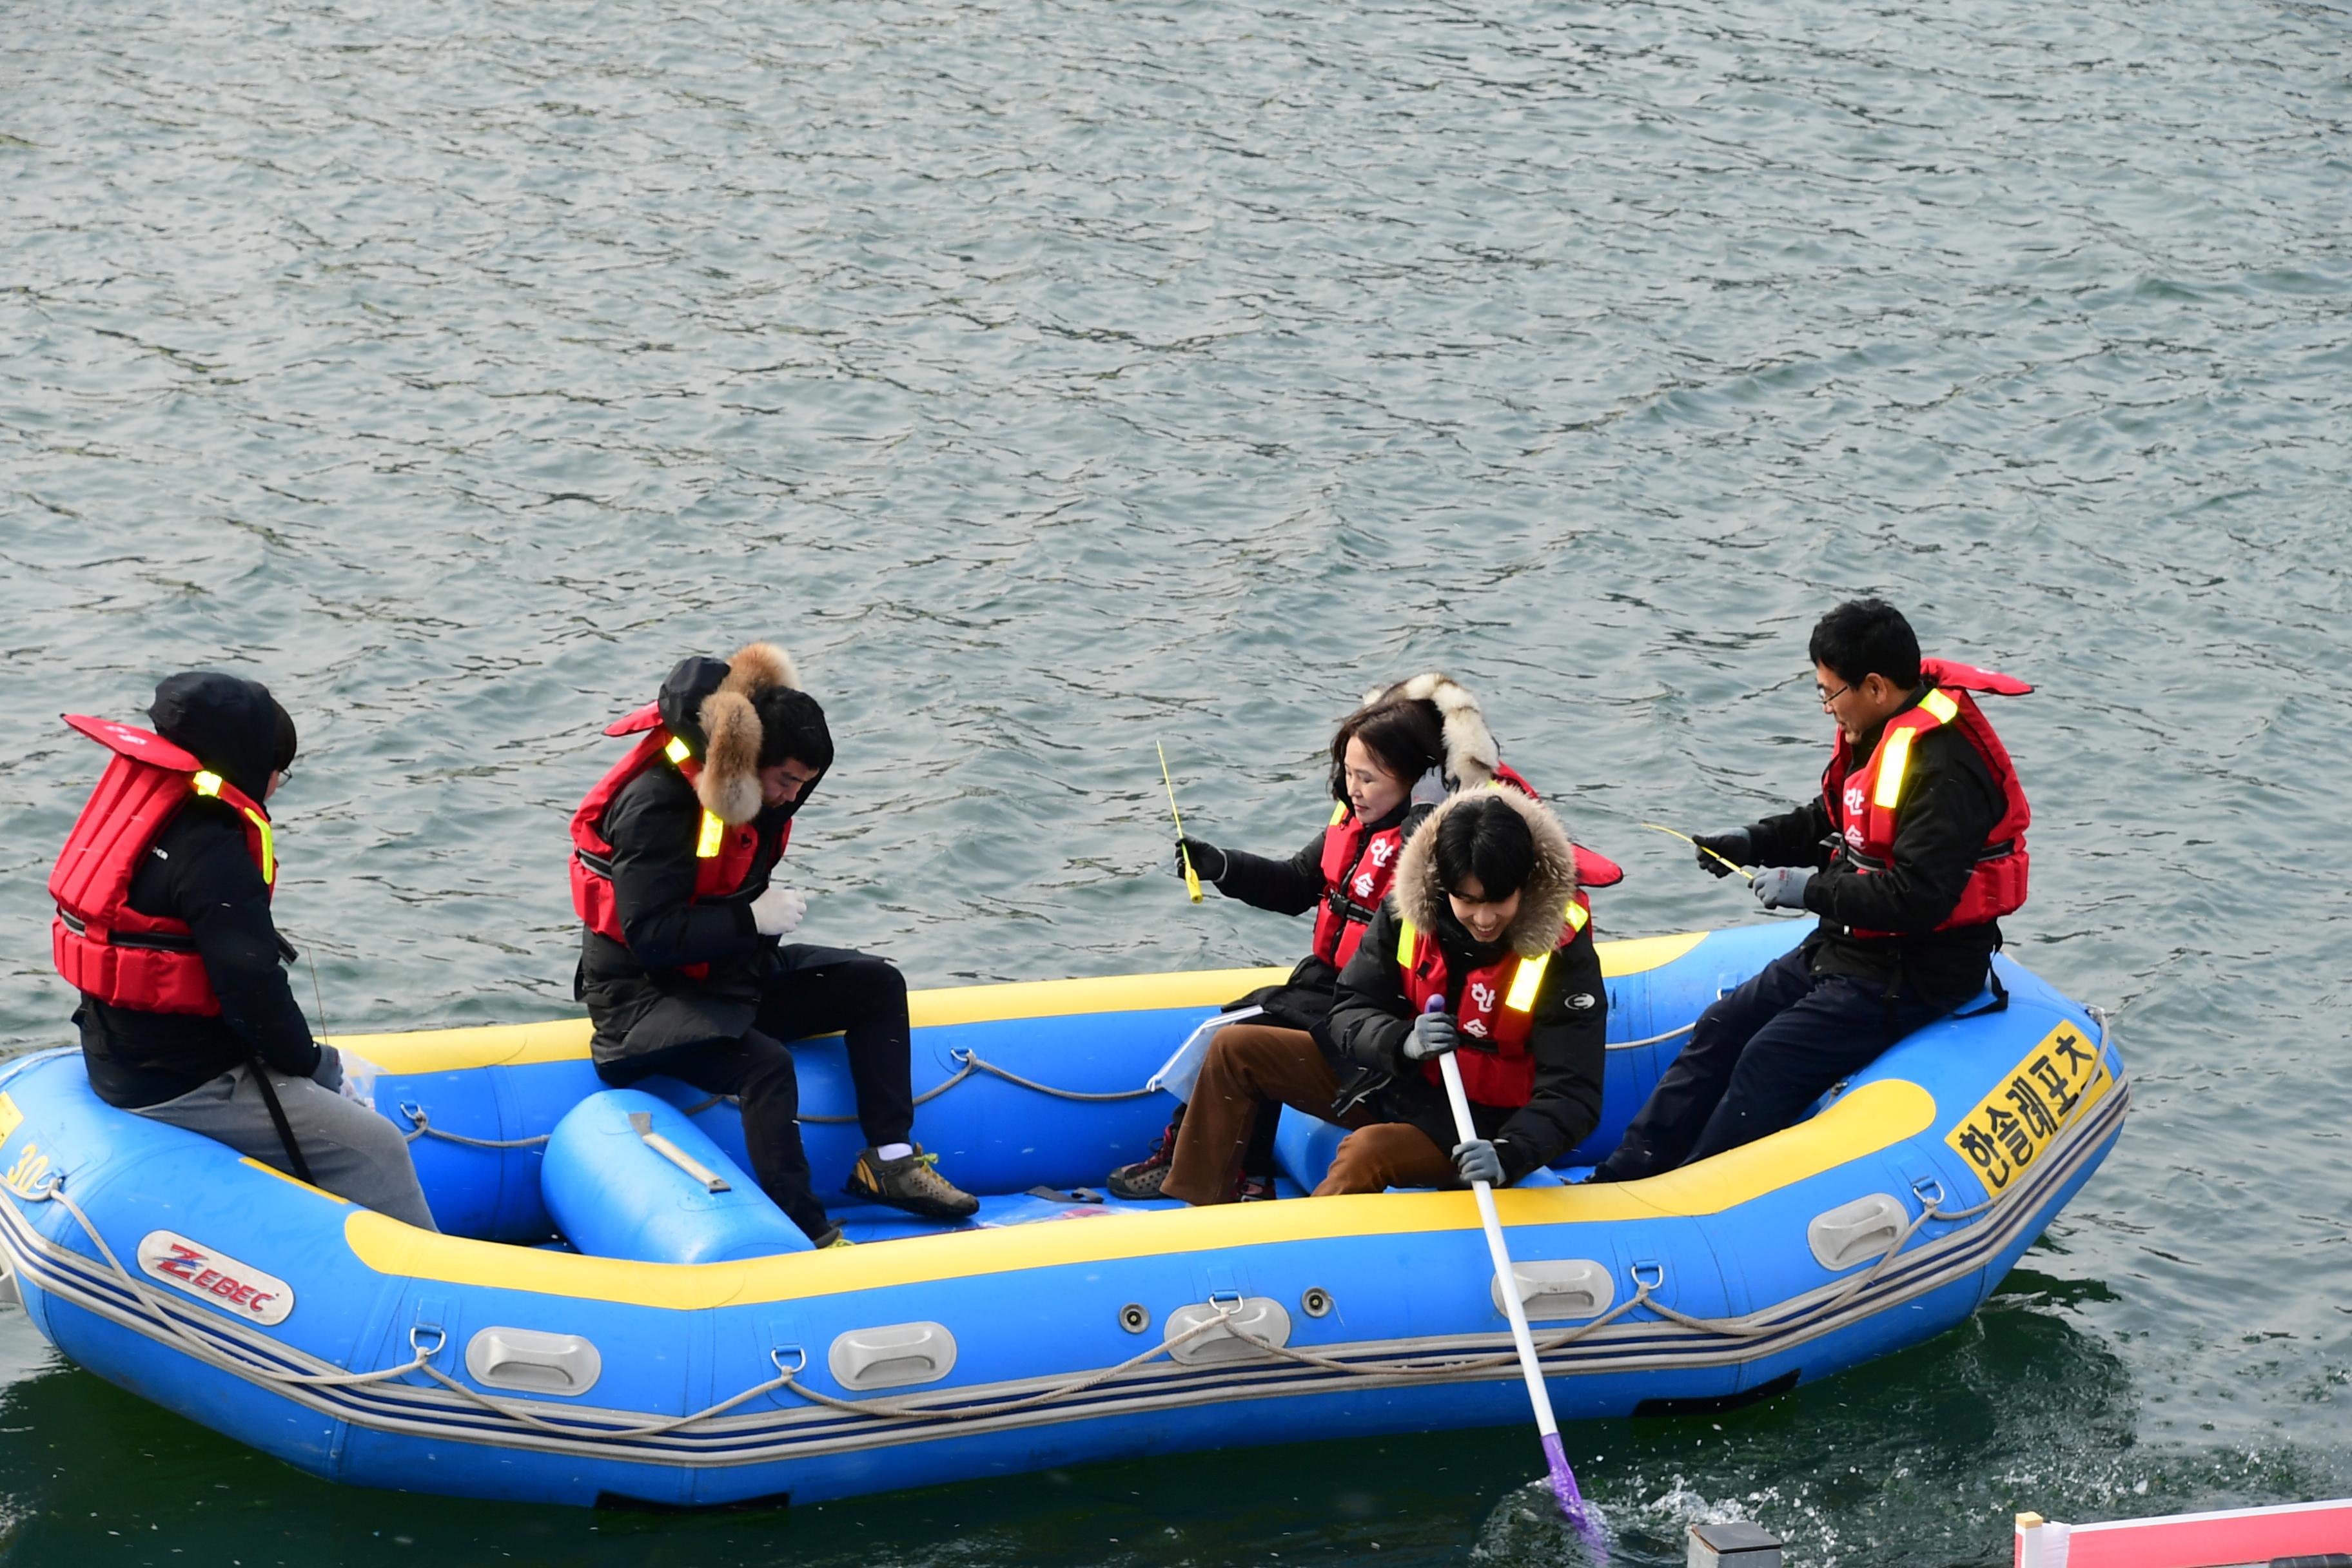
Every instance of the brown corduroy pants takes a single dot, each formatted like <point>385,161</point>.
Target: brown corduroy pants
<point>1248,1063</point>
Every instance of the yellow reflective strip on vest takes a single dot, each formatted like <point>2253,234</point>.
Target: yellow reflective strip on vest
<point>268,846</point>
<point>1406,939</point>
<point>1893,757</point>
<point>1522,996</point>
<point>1338,814</point>
<point>714,836</point>
<point>677,751</point>
<point>1577,917</point>
<point>1940,705</point>
<point>207,784</point>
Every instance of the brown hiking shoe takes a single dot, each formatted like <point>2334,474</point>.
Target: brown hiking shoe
<point>1143,1178</point>
<point>910,1182</point>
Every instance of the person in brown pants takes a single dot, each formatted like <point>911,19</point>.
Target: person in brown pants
<point>1251,1063</point>
<point>1486,915</point>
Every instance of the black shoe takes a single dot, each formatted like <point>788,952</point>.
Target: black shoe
<point>1143,1178</point>
<point>910,1183</point>
<point>1249,1189</point>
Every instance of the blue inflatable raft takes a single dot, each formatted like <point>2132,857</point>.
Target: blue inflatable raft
<point>500,1360</point>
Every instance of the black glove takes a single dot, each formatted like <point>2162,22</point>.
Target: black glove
<point>1732,846</point>
<point>1208,860</point>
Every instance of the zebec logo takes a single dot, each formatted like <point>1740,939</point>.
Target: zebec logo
<point>237,1289</point>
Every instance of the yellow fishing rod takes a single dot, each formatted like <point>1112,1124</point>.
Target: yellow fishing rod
<point>1192,878</point>
<point>1662,828</point>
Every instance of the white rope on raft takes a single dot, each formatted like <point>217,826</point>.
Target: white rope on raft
<point>421,1125</point>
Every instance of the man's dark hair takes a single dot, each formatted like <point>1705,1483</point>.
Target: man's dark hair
<point>1866,637</point>
<point>1404,738</point>
<point>792,728</point>
<point>1482,837</point>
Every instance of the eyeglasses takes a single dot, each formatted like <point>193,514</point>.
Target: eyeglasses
<point>1829,697</point>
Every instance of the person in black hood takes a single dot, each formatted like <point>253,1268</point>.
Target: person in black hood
<point>1486,914</point>
<point>676,851</point>
<point>248,1073</point>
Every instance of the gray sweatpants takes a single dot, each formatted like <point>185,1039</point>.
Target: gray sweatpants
<point>352,1152</point>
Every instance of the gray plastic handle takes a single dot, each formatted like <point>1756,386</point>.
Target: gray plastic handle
<point>532,1362</point>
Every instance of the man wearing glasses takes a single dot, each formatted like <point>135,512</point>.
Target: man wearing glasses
<point>1910,855</point>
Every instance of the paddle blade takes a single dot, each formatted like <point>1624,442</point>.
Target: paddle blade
<point>1571,1501</point>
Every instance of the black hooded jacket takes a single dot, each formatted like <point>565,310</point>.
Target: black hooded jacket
<point>1371,1018</point>
<point>636,997</point>
<point>200,870</point>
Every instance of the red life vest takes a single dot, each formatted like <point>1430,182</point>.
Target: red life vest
<point>1357,867</point>
<point>1863,803</point>
<point>723,855</point>
<point>1496,1007</point>
<point>101,945</point>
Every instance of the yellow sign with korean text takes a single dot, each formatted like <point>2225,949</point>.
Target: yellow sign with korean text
<point>10,1118</point>
<point>2012,1127</point>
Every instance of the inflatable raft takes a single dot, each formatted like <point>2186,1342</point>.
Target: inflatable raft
<point>501,1360</point>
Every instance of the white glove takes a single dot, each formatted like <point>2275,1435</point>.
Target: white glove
<point>778,910</point>
<point>352,1075</point>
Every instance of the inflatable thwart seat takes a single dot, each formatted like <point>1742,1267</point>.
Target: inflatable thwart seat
<point>682,1346</point>
<point>627,1175</point>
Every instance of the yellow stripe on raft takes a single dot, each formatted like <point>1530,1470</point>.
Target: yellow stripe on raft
<point>566,1039</point>
<point>1871,1118</point>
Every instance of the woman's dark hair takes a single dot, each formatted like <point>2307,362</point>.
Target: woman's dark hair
<point>1866,637</point>
<point>1405,737</point>
<point>1482,837</point>
<point>792,728</point>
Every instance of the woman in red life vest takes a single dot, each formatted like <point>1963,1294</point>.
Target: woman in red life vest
<point>164,925</point>
<point>1418,733</point>
<point>675,855</point>
<point>1485,915</point>
<point>1927,820</point>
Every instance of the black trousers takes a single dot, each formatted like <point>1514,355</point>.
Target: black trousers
<point>1756,1057</point>
<point>815,991</point>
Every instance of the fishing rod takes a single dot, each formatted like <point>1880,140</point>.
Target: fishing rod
<point>1733,865</point>
<point>1192,878</point>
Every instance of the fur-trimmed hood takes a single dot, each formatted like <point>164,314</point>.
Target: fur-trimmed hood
<point>708,705</point>
<point>1543,902</point>
<point>1471,754</point>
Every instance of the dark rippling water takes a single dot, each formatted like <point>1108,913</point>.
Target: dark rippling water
<point>1056,378</point>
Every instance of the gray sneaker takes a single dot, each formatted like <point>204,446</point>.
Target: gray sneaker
<point>910,1182</point>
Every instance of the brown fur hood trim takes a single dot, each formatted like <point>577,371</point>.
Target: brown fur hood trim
<point>1543,902</point>
<point>729,783</point>
<point>1471,753</point>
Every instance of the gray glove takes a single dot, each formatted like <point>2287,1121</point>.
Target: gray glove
<point>1783,887</point>
<point>1479,1162</point>
<point>1734,847</point>
<point>1432,1036</point>
<point>328,1073</point>
<point>1208,860</point>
